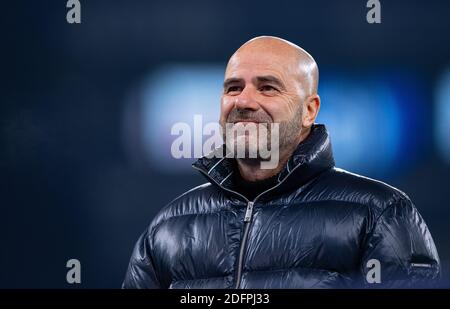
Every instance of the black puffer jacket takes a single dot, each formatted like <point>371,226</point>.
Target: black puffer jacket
<point>319,227</point>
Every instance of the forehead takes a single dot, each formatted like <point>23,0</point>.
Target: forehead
<point>245,64</point>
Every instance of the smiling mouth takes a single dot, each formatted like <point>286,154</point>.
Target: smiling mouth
<point>245,121</point>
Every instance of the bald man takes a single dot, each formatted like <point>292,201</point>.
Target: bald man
<point>303,223</point>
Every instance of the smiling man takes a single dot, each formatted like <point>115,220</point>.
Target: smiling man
<point>302,223</point>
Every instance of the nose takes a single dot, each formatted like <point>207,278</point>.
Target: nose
<point>245,100</point>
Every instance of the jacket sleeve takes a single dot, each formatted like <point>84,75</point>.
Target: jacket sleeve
<point>400,252</point>
<point>141,272</point>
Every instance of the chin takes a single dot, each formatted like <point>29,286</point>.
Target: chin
<point>245,147</point>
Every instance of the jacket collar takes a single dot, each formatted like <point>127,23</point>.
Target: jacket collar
<point>311,157</point>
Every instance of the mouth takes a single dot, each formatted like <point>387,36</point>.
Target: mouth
<point>245,121</point>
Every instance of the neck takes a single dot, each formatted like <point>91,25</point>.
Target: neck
<point>250,169</point>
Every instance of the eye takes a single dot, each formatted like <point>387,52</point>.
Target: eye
<point>233,89</point>
<point>266,88</point>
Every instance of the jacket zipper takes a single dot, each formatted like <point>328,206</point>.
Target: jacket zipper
<point>247,221</point>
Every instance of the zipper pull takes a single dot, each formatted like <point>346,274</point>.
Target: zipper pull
<point>248,213</point>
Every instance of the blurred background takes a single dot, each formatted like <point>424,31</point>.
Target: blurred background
<point>86,112</point>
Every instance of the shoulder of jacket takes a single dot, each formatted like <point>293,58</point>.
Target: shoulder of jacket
<point>192,202</point>
<point>360,189</point>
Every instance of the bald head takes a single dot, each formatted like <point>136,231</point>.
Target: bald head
<point>292,59</point>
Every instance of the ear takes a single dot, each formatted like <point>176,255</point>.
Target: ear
<point>311,108</point>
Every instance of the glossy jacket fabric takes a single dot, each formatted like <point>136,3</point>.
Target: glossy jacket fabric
<point>319,227</point>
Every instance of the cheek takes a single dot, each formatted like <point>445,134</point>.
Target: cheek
<point>278,110</point>
<point>226,106</point>
<point>284,109</point>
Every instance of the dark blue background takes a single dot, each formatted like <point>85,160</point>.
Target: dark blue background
<point>69,186</point>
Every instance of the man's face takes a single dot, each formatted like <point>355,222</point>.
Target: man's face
<point>263,87</point>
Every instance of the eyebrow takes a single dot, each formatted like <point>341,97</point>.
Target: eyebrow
<point>232,80</point>
<point>258,79</point>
